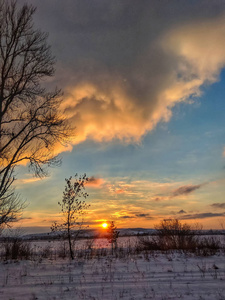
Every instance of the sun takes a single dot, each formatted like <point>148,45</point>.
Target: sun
<point>104,225</point>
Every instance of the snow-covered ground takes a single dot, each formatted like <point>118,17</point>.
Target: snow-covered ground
<point>137,276</point>
<point>124,242</point>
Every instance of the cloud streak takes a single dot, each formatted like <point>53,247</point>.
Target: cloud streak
<point>138,215</point>
<point>202,216</point>
<point>28,180</point>
<point>185,190</point>
<point>218,205</point>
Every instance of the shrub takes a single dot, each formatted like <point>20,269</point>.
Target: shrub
<point>63,250</point>
<point>172,234</point>
<point>208,246</point>
<point>16,248</point>
<point>147,243</point>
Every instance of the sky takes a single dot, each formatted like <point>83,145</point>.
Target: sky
<point>143,85</point>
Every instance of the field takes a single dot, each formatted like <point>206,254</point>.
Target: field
<point>95,273</point>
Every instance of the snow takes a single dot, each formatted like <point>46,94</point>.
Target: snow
<point>132,276</point>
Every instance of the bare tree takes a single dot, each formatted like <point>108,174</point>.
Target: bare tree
<point>72,209</point>
<point>30,122</point>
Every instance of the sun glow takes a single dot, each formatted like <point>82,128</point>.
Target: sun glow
<point>104,225</point>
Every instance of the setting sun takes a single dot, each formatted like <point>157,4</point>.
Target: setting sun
<point>104,225</point>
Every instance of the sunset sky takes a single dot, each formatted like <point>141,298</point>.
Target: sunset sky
<point>144,85</point>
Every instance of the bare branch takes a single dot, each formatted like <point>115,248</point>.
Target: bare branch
<point>31,123</point>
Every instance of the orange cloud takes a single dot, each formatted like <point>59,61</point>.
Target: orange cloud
<point>121,187</point>
<point>119,191</point>
<point>27,180</point>
<point>95,182</point>
<point>103,115</point>
<point>111,105</point>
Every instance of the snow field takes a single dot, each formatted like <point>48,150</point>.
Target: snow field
<point>143,276</point>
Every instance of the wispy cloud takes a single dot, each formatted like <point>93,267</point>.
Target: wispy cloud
<point>144,215</point>
<point>185,190</point>
<point>202,216</point>
<point>138,215</point>
<point>218,205</point>
<point>150,190</point>
<point>127,217</point>
<point>28,180</point>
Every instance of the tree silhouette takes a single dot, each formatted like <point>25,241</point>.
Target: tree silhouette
<point>30,120</point>
<point>72,209</point>
<point>113,235</point>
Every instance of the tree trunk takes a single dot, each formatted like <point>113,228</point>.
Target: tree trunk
<point>70,244</point>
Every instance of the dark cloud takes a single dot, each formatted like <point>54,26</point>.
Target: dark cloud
<point>92,179</point>
<point>119,63</point>
<point>142,215</point>
<point>186,189</point>
<point>182,190</point>
<point>126,217</point>
<point>218,205</point>
<point>181,212</point>
<point>146,216</point>
<point>137,215</point>
<point>202,216</point>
